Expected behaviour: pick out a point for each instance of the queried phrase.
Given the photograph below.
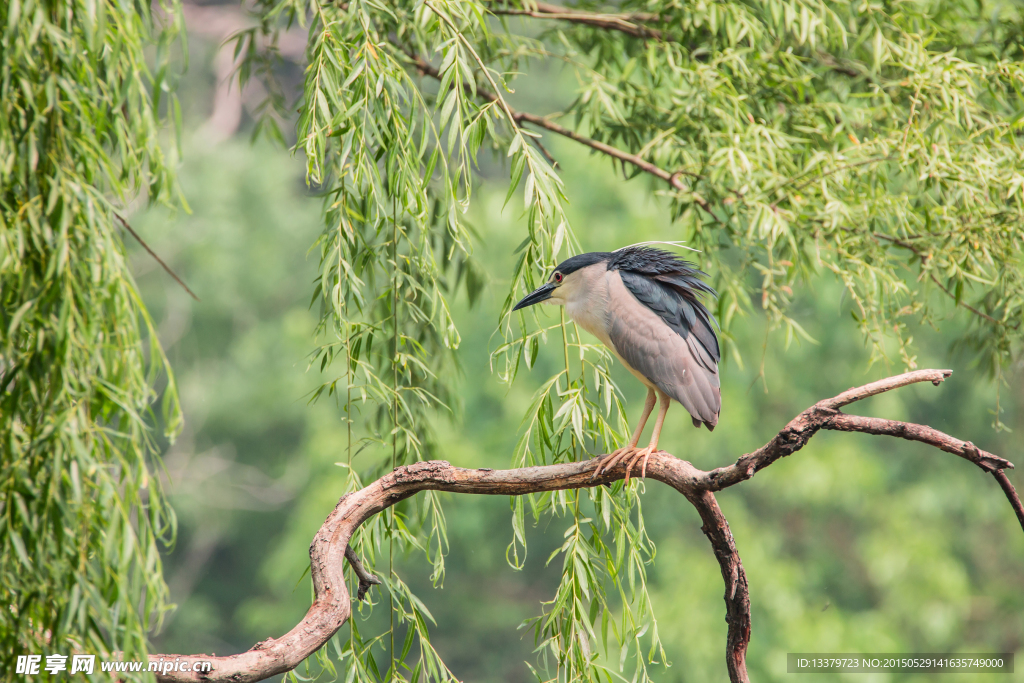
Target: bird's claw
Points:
(612, 459)
(644, 453)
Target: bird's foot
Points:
(613, 459)
(644, 453)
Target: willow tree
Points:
(82, 514)
(795, 140)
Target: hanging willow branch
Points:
(520, 117)
(329, 549)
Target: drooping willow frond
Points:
(794, 140)
(82, 510)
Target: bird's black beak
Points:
(536, 296)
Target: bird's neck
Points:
(587, 303)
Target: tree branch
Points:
(1011, 494)
(924, 261)
(737, 592)
(332, 606)
(630, 24)
(825, 415)
(521, 117)
(832, 171)
(635, 25)
(152, 253)
(366, 579)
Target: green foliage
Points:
(876, 142)
(873, 144)
(396, 165)
(853, 544)
(82, 512)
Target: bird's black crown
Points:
(574, 263)
(640, 259)
(651, 261)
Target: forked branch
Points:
(332, 606)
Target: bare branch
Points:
(825, 415)
(332, 606)
(849, 396)
(922, 433)
(630, 24)
(157, 258)
(1011, 494)
(330, 546)
(366, 579)
(737, 592)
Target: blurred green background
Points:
(856, 544)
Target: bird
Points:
(644, 304)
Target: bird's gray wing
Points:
(695, 317)
(654, 330)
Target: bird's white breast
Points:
(587, 305)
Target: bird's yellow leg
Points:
(619, 454)
(645, 453)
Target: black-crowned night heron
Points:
(643, 304)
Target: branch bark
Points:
(329, 549)
(156, 258)
(630, 24)
(737, 592)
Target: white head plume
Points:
(679, 244)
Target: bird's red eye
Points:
(558, 277)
